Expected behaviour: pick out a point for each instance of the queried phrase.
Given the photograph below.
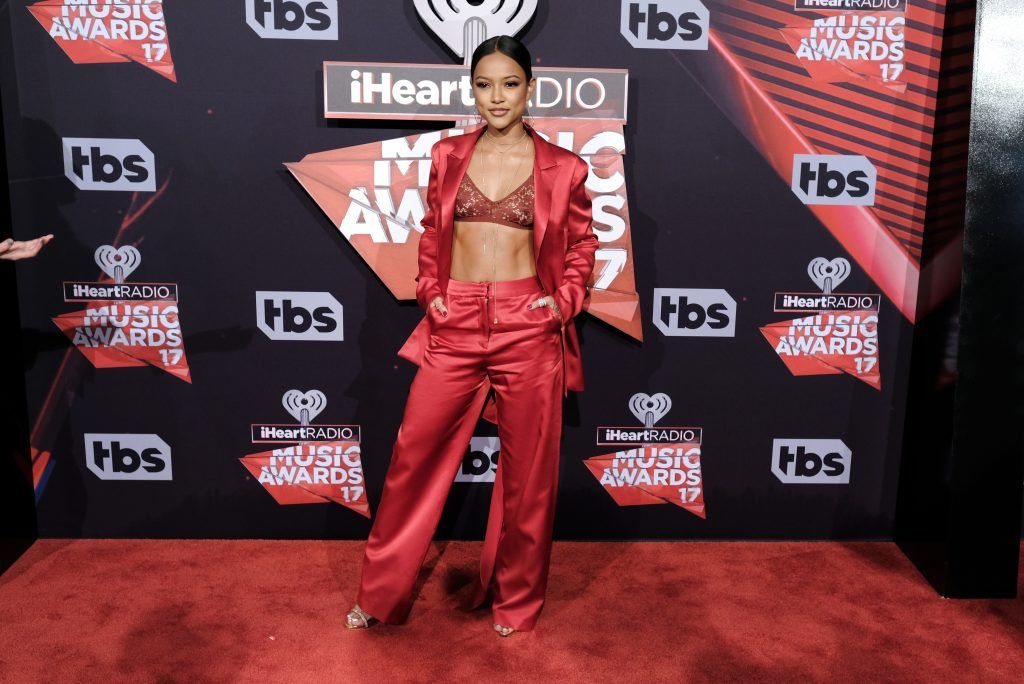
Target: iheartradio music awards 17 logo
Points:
(375, 194)
(109, 31)
(662, 465)
(125, 324)
(312, 462)
(840, 337)
(851, 41)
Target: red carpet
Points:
(225, 611)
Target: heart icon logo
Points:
(826, 274)
(118, 263)
(304, 406)
(649, 409)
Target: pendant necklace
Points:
(494, 228)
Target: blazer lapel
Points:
(545, 171)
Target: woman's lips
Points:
(499, 112)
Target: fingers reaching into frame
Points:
(13, 250)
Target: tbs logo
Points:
(811, 461)
(109, 164)
(315, 316)
(305, 19)
(127, 457)
(481, 461)
(834, 179)
(694, 313)
(666, 24)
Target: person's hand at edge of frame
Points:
(13, 250)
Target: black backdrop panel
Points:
(709, 208)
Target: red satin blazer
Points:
(563, 238)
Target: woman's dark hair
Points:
(506, 45)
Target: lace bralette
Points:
(514, 210)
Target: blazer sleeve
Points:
(427, 286)
(581, 244)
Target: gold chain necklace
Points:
(494, 227)
(494, 139)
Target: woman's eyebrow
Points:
(509, 76)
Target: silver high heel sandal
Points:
(502, 630)
(358, 618)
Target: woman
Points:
(501, 284)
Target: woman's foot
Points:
(502, 630)
(358, 618)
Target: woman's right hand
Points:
(438, 303)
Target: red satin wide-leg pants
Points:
(521, 356)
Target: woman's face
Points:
(501, 90)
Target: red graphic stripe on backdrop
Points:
(769, 94)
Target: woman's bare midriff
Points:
(470, 261)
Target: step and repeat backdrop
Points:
(236, 188)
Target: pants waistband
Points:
(499, 289)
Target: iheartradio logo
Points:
(834, 332)
(309, 462)
(125, 324)
(651, 464)
(453, 21)
(826, 274)
(118, 262)
(304, 406)
(650, 409)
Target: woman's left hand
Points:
(548, 301)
